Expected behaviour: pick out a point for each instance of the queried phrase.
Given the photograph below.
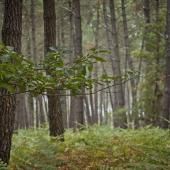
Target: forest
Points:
(84, 85)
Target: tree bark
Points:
(116, 60)
(96, 33)
(54, 104)
(77, 101)
(120, 101)
(146, 8)
(11, 36)
(156, 105)
(109, 44)
(129, 62)
(1, 17)
(166, 99)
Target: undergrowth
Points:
(95, 148)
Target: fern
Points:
(92, 148)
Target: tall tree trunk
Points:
(116, 53)
(54, 104)
(1, 17)
(109, 44)
(166, 99)
(11, 36)
(116, 62)
(101, 107)
(77, 101)
(146, 11)
(129, 62)
(87, 109)
(62, 46)
(33, 31)
(95, 114)
(40, 112)
(146, 8)
(156, 106)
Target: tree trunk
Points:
(166, 99)
(116, 60)
(156, 106)
(109, 44)
(96, 96)
(146, 8)
(129, 62)
(77, 101)
(1, 17)
(120, 101)
(11, 36)
(87, 109)
(62, 46)
(54, 103)
(21, 113)
(33, 31)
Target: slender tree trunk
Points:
(20, 111)
(1, 17)
(77, 101)
(11, 36)
(40, 112)
(62, 24)
(120, 103)
(54, 103)
(146, 8)
(88, 116)
(109, 44)
(116, 53)
(129, 61)
(33, 31)
(37, 111)
(146, 11)
(156, 107)
(166, 99)
(62, 46)
(95, 114)
(101, 107)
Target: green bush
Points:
(3, 166)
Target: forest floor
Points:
(95, 148)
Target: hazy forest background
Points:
(84, 84)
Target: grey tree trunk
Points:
(40, 112)
(129, 63)
(22, 112)
(1, 16)
(62, 46)
(87, 109)
(109, 44)
(96, 101)
(116, 60)
(166, 99)
(70, 116)
(146, 8)
(77, 101)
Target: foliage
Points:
(152, 57)
(92, 148)
(3, 166)
(19, 75)
(72, 76)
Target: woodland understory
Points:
(84, 84)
